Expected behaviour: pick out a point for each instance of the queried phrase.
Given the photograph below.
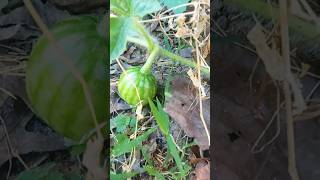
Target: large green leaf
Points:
(174, 3)
(138, 8)
(119, 28)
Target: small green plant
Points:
(137, 86)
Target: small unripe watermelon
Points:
(55, 94)
(132, 82)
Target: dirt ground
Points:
(246, 107)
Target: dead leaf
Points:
(15, 85)
(182, 32)
(183, 107)
(115, 103)
(196, 82)
(16, 116)
(202, 171)
(235, 126)
(91, 160)
(19, 25)
(206, 49)
(181, 20)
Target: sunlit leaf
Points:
(124, 145)
(174, 3)
(132, 8)
(119, 28)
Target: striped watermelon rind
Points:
(135, 86)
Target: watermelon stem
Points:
(168, 54)
(146, 68)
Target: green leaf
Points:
(161, 117)
(120, 7)
(133, 8)
(123, 176)
(162, 120)
(167, 44)
(174, 152)
(146, 154)
(143, 7)
(121, 122)
(119, 28)
(153, 172)
(174, 3)
(124, 145)
(168, 88)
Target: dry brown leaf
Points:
(202, 171)
(16, 116)
(182, 32)
(115, 103)
(183, 107)
(91, 160)
(181, 20)
(196, 82)
(15, 85)
(206, 49)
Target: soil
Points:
(243, 111)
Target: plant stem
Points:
(172, 56)
(146, 68)
(137, 41)
(183, 60)
(146, 35)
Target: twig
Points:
(312, 91)
(13, 151)
(250, 79)
(276, 114)
(200, 94)
(286, 87)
